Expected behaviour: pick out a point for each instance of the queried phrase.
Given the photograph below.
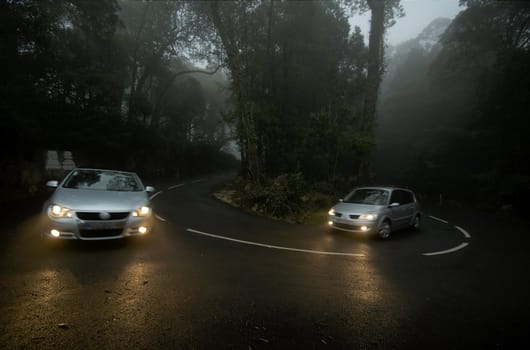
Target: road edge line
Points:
(273, 246)
(438, 219)
(156, 194)
(447, 251)
(160, 218)
(175, 186)
(464, 232)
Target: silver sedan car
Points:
(95, 204)
(376, 210)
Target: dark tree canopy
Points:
(166, 85)
(464, 105)
(296, 75)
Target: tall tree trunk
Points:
(373, 79)
(375, 63)
(244, 107)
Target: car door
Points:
(397, 214)
(408, 207)
(400, 214)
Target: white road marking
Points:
(172, 187)
(154, 195)
(452, 250)
(160, 218)
(273, 246)
(438, 219)
(461, 246)
(463, 231)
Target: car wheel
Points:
(416, 223)
(384, 230)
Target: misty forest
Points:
(291, 94)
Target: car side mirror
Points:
(52, 184)
(149, 189)
(395, 204)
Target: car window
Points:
(369, 196)
(407, 197)
(102, 181)
(401, 197)
(396, 197)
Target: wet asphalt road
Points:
(180, 289)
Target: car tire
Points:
(384, 230)
(416, 223)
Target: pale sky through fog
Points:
(418, 14)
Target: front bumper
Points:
(352, 225)
(75, 228)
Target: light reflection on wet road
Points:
(176, 289)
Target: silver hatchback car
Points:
(376, 210)
(96, 204)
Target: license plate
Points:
(101, 225)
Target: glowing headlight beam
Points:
(142, 211)
(368, 216)
(58, 211)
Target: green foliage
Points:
(289, 196)
(279, 197)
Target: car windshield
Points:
(102, 181)
(369, 196)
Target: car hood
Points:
(356, 208)
(91, 200)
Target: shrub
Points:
(280, 197)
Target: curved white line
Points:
(463, 231)
(273, 246)
(461, 246)
(156, 194)
(438, 219)
(172, 187)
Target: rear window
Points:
(102, 181)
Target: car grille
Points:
(100, 233)
(354, 217)
(95, 215)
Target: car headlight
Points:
(331, 211)
(142, 211)
(58, 211)
(367, 216)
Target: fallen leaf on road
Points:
(63, 326)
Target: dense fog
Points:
(292, 94)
